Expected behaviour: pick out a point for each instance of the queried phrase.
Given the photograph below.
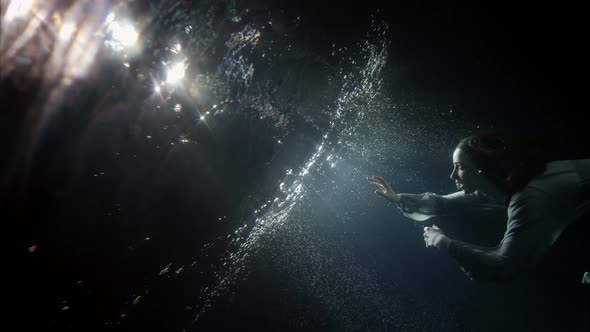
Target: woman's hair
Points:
(509, 161)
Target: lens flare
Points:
(176, 72)
(124, 33)
(18, 9)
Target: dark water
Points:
(202, 165)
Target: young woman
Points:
(542, 199)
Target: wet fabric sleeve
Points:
(534, 225)
(420, 207)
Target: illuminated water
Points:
(222, 152)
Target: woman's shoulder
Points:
(559, 177)
(556, 186)
(566, 164)
(530, 196)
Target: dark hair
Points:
(510, 161)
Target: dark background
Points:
(521, 67)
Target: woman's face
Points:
(465, 175)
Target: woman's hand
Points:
(384, 189)
(434, 237)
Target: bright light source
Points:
(123, 33)
(17, 9)
(175, 73)
(66, 31)
(176, 49)
(110, 18)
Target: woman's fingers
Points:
(380, 182)
(378, 185)
(374, 180)
(427, 239)
(384, 189)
